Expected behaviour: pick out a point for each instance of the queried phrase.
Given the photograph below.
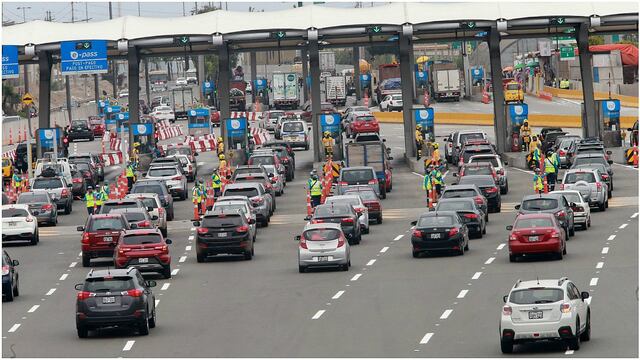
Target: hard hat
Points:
(221, 156)
(435, 146)
(89, 187)
(136, 144)
(220, 139)
(549, 153)
(327, 133)
(418, 127)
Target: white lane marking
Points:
(426, 338)
(182, 259)
(446, 314)
(524, 171)
(193, 229)
(416, 174)
(611, 237)
(623, 226)
(63, 277)
(489, 260)
(476, 276)
(187, 248)
(501, 246)
(605, 250)
(568, 352)
(128, 345)
(191, 237)
(200, 163)
(175, 271)
(80, 253)
(356, 277)
(635, 215)
(599, 265)
(157, 302)
(371, 262)
(14, 328)
(73, 264)
(593, 282)
(51, 291)
(33, 308)
(317, 315)
(338, 294)
(398, 237)
(384, 249)
(462, 294)
(165, 286)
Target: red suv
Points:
(362, 124)
(145, 249)
(97, 125)
(99, 236)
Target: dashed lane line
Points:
(398, 237)
(605, 250)
(191, 237)
(128, 345)
(462, 294)
(51, 291)
(593, 282)
(425, 339)
(14, 328)
(175, 271)
(635, 215)
(384, 249)
(73, 264)
(338, 294)
(371, 262)
(318, 315)
(33, 308)
(599, 265)
(165, 286)
(356, 277)
(476, 276)
(489, 260)
(568, 352)
(611, 237)
(524, 171)
(501, 246)
(623, 226)
(187, 248)
(157, 302)
(63, 277)
(446, 314)
(182, 259)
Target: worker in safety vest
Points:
(197, 194)
(131, 176)
(436, 177)
(100, 197)
(315, 189)
(223, 165)
(427, 182)
(216, 183)
(17, 180)
(436, 153)
(90, 200)
(220, 146)
(419, 138)
(564, 84)
(551, 169)
(538, 179)
(525, 135)
(135, 152)
(327, 143)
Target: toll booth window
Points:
(144, 141)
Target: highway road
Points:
(388, 305)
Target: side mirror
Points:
(509, 227)
(432, 209)
(154, 217)
(144, 174)
(610, 162)
(195, 154)
(414, 222)
(506, 163)
(309, 128)
(559, 181)
(584, 295)
(517, 207)
(16, 262)
(307, 218)
(252, 221)
(151, 283)
(385, 140)
(504, 298)
(149, 208)
(609, 152)
(390, 157)
(168, 241)
(79, 286)
(80, 228)
(297, 238)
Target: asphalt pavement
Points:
(388, 305)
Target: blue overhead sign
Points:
(236, 128)
(477, 73)
(208, 87)
(112, 109)
(83, 57)
(518, 113)
(10, 67)
(424, 117)
(46, 137)
(199, 112)
(260, 84)
(142, 129)
(611, 108)
(122, 116)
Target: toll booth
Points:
(199, 122)
(425, 118)
(111, 112)
(516, 114)
(237, 142)
(143, 134)
(45, 142)
(422, 80)
(365, 85)
(332, 124)
(608, 113)
(208, 93)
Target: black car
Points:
(10, 279)
(78, 184)
(115, 297)
(471, 150)
(342, 214)
(272, 143)
(467, 191)
(550, 140)
(439, 231)
(87, 171)
(80, 129)
(488, 187)
(469, 212)
(552, 203)
(95, 161)
(156, 187)
(223, 233)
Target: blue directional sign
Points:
(10, 67)
(477, 73)
(260, 84)
(122, 116)
(199, 112)
(142, 129)
(83, 57)
(236, 128)
(611, 108)
(112, 109)
(365, 80)
(424, 117)
(208, 87)
(330, 122)
(46, 137)
(518, 113)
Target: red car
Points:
(97, 125)
(215, 116)
(369, 199)
(145, 249)
(363, 124)
(536, 234)
(99, 235)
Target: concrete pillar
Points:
(26, 78)
(314, 63)
(201, 78)
(67, 86)
(224, 74)
(115, 78)
(590, 122)
(406, 74)
(44, 100)
(147, 88)
(96, 89)
(305, 74)
(356, 71)
(499, 121)
(133, 62)
(254, 76)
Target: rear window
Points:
(251, 178)
(455, 205)
(78, 123)
(321, 234)
(112, 284)
(330, 211)
(47, 184)
(220, 221)
(9, 213)
(150, 188)
(436, 221)
(83, 166)
(365, 118)
(572, 197)
(513, 87)
(491, 160)
(134, 216)
(349, 201)
(536, 296)
(463, 193)
(275, 115)
(480, 181)
(262, 160)
(5, 162)
(142, 239)
(357, 175)
(105, 224)
(590, 160)
(477, 170)
(292, 126)
(466, 137)
(364, 195)
(149, 202)
(181, 151)
(248, 192)
(241, 171)
(533, 223)
(32, 198)
(108, 207)
(572, 178)
(160, 172)
(539, 204)
(230, 208)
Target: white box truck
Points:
(327, 61)
(335, 90)
(285, 91)
(446, 83)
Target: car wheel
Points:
(574, 342)
(512, 258)
(486, 217)
(564, 250)
(86, 260)
(380, 219)
(164, 232)
(606, 204)
(466, 247)
(183, 195)
(415, 254)
(345, 267)
(461, 251)
(589, 222)
(200, 257)
(484, 229)
(601, 207)
(248, 255)
(366, 230)
(35, 238)
(572, 231)
(83, 332)
(153, 320)
(166, 272)
(67, 209)
(265, 223)
(306, 146)
(92, 138)
(9, 295)
(143, 328)
(560, 255)
(610, 194)
(586, 335)
(506, 346)
(302, 269)
(383, 193)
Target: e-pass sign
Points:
(518, 113)
(83, 57)
(10, 69)
(330, 122)
(46, 137)
(424, 117)
(142, 129)
(611, 108)
(236, 127)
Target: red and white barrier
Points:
(112, 158)
(260, 136)
(11, 154)
(169, 132)
(250, 115)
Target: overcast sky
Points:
(61, 11)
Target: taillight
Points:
(160, 211)
(134, 293)
(344, 183)
(450, 145)
(359, 209)
(275, 178)
(492, 190)
(599, 186)
(605, 176)
(373, 182)
(5, 269)
(242, 229)
(203, 230)
(562, 153)
(347, 221)
(145, 223)
(303, 242)
(65, 140)
(513, 237)
(578, 208)
(478, 199)
(176, 178)
(163, 248)
(83, 295)
(454, 231)
(85, 238)
(471, 216)
(561, 214)
(29, 218)
(65, 193)
(555, 235)
(317, 221)
(417, 233)
(561, 186)
(123, 250)
(506, 310)
(76, 181)
(565, 308)
(258, 200)
(47, 207)
(501, 172)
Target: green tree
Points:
(10, 98)
(596, 40)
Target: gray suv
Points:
(552, 203)
(57, 189)
(261, 200)
(590, 184)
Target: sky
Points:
(97, 11)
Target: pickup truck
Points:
(376, 155)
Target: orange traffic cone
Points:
(546, 185)
(430, 199)
(309, 208)
(196, 216)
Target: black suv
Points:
(223, 233)
(80, 129)
(115, 297)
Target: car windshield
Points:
(357, 175)
(140, 239)
(149, 202)
(5, 162)
(160, 172)
(574, 177)
(292, 126)
(82, 166)
(46, 184)
(147, 188)
(539, 204)
(111, 284)
(462, 193)
(536, 296)
(566, 142)
(321, 234)
(12, 213)
(111, 223)
(275, 115)
(329, 211)
(230, 208)
(455, 206)
(248, 192)
(78, 123)
(466, 137)
(477, 170)
(589, 160)
(533, 223)
(221, 221)
(435, 221)
(134, 216)
(180, 151)
(32, 198)
(262, 160)
(492, 160)
(480, 181)
(241, 171)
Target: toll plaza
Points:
(111, 115)
(236, 140)
(199, 122)
(332, 124)
(516, 114)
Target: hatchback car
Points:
(467, 191)
(469, 212)
(260, 199)
(189, 168)
(581, 210)
(439, 231)
(562, 146)
(277, 180)
(96, 162)
(172, 176)
(360, 175)
(18, 224)
(590, 184)
(10, 277)
(551, 203)
(342, 214)
(154, 207)
(356, 202)
(489, 189)
(363, 124)
(58, 191)
(115, 297)
(181, 150)
(224, 233)
(145, 249)
(323, 245)
(100, 234)
(543, 310)
(369, 199)
(287, 160)
(41, 205)
(137, 218)
(269, 119)
(536, 234)
(233, 206)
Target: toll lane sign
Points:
(83, 57)
(10, 69)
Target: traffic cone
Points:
(546, 185)
(430, 199)
(309, 208)
(196, 216)
(112, 192)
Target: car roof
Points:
(357, 168)
(109, 272)
(478, 164)
(129, 210)
(462, 187)
(534, 216)
(477, 177)
(344, 196)
(244, 185)
(589, 155)
(118, 201)
(549, 283)
(465, 199)
(551, 195)
(580, 170)
(105, 216)
(438, 213)
(311, 226)
(232, 198)
(219, 212)
(146, 231)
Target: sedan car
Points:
(41, 205)
(323, 245)
(80, 129)
(551, 203)
(488, 187)
(18, 224)
(145, 249)
(356, 202)
(269, 119)
(535, 234)
(369, 199)
(341, 214)
(189, 168)
(220, 232)
(439, 231)
(469, 212)
(10, 278)
(172, 176)
(581, 210)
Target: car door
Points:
(151, 300)
(578, 303)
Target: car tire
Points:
(601, 207)
(306, 146)
(265, 223)
(586, 334)
(302, 269)
(35, 238)
(572, 231)
(466, 247)
(486, 216)
(67, 209)
(415, 254)
(379, 219)
(484, 230)
(383, 193)
(574, 342)
(153, 320)
(512, 258)
(588, 222)
(564, 251)
(86, 260)
(83, 332)
(200, 257)
(506, 346)
(92, 138)
(9, 296)
(143, 328)
(248, 255)
(345, 267)
(606, 204)
(559, 255)
(166, 272)
(461, 251)
(366, 230)
(16, 290)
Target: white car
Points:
(356, 202)
(181, 82)
(582, 211)
(498, 164)
(235, 206)
(123, 94)
(391, 102)
(163, 113)
(152, 200)
(538, 310)
(18, 224)
(277, 179)
(192, 80)
(323, 245)
(188, 168)
(172, 176)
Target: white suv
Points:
(545, 310)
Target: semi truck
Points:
(237, 99)
(335, 90)
(285, 91)
(445, 81)
(376, 155)
(388, 81)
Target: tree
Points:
(596, 40)
(10, 98)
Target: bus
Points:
(158, 80)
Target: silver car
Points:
(270, 119)
(172, 176)
(590, 184)
(356, 202)
(152, 201)
(235, 206)
(41, 205)
(261, 200)
(323, 245)
(277, 179)
(582, 211)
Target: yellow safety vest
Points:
(327, 142)
(537, 185)
(129, 172)
(548, 166)
(418, 135)
(316, 188)
(90, 200)
(215, 183)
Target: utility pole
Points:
(114, 66)
(86, 12)
(138, 8)
(183, 10)
(73, 19)
(25, 67)
(24, 13)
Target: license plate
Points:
(323, 258)
(224, 234)
(108, 239)
(533, 238)
(533, 315)
(13, 223)
(143, 260)
(109, 300)
(435, 236)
